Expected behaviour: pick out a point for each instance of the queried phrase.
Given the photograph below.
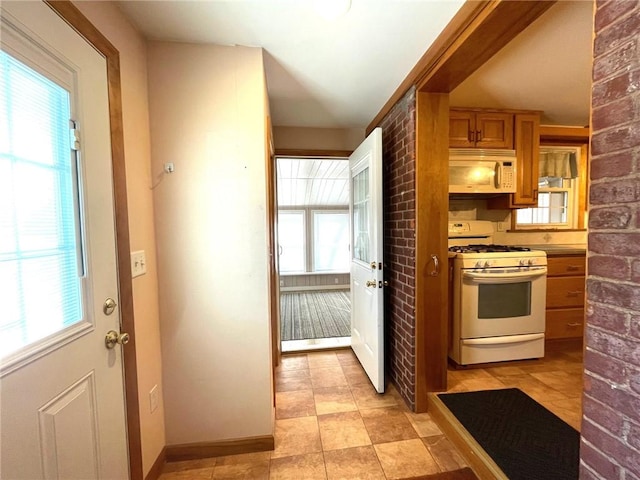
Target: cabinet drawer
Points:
(565, 292)
(573, 266)
(565, 323)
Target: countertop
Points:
(560, 249)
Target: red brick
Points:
(615, 191)
(604, 366)
(622, 244)
(625, 349)
(610, 217)
(615, 88)
(617, 113)
(616, 165)
(633, 436)
(612, 11)
(612, 447)
(621, 138)
(598, 462)
(635, 271)
(606, 318)
(616, 34)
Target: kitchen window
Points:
(558, 192)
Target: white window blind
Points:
(40, 271)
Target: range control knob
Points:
(488, 263)
(532, 261)
(479, 264)
(523, 263)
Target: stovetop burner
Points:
(487, 249)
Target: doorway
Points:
(313, 252)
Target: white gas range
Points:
(498, 297)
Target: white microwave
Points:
(475, 170)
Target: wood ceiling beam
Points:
(476, 32)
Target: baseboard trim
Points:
(481, 463)
(314, 288)
(156, 469)
(194, 451)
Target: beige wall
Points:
(302, 138)
(208, 114)
(133, 60)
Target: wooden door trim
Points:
(70, 14)
(431, 291)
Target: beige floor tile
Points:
(298, 403)
(191, 474)
(388, 424)
(334, 400)
(444, 453)
(562, 381)
(367, 397)
(322, 360)
(342, 430)
(297, 374)
(569, 410)
(355, 375)
(491, 383)
(360, 463)
(423, 424)
(296, 436)
(505, 371)
(189, 465)
(325, 377)
(307, 467)
(293, 362)
(347, 357)
(405, 459)
(293, 384)
(250, 465)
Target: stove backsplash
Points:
(476, 209)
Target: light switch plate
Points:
(138, 263)
(153, 399)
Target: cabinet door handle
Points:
(470, 136)
(576, 324)
(574, 293)
(478, 135)
(572, 268)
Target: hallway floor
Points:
(331, 424)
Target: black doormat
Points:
(523, 438)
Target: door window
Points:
(361, 201)
(40, 267)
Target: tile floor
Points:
(554, 381)
(331, 424)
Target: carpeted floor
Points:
(315, 314)
(523, 438)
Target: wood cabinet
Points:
(565, 296)
(527, 146)
(474, 129)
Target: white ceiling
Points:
(320, 73)
(339, 74)
(316, 182)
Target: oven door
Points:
(502, 301)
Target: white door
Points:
(367, 296)
(61, 390)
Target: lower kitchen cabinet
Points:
(565, 296)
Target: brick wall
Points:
(611, 425)
(398, 146)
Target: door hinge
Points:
(74, 135)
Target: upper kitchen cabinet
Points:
(480, 129)
(527, 146)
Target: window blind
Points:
(40, 283)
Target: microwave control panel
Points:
(507, 176)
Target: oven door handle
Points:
(504, 277)
(504, 339)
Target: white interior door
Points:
(62, 410)
(367, 298)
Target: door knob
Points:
(371, 283)
(112, 338)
